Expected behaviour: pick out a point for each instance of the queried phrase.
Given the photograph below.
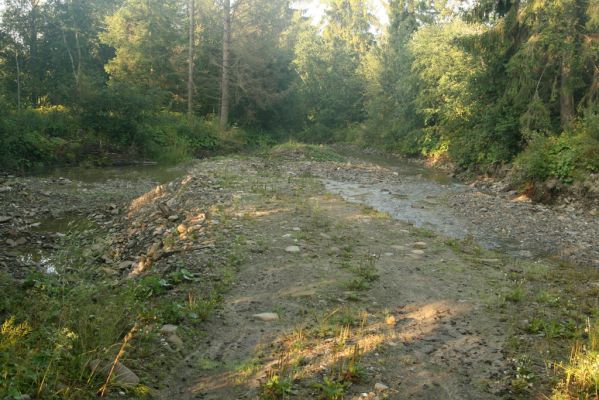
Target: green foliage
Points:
(51, 331)
(568, 157)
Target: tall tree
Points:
(191, 17)
(149, 52)
(224, 93)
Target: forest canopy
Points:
(479, 83)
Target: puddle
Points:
(47, 232)
(64, 225)
(156, 173)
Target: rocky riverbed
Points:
(355, 272)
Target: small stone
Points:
(175, 341)
(181, 229)
(20, 241)
(420, 245)
(173, 217)
(125, 264)
(292, 249)
(418, 252)
(266, 317)
(11, 243)
(5, 218)
(380, 387)
(121, 375)
(390, 320)
(168, 329)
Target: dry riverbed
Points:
(313, 296)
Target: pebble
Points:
(266, 317)
(380, 387)
(292, 249)
(168, 329)
(417, 251)
(175, 341)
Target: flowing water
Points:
(420, 196)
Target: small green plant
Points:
(180, 276)
(515, 295)
(351, 370)
(276, 388)
(553, 329)
(153, 285)
(367, 269)
(330, 389)
(357, 284)
(278, 384)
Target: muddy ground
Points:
(328, 294)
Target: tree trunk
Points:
(566, 98)
(191, 10)
(33, 55)
(18, 79)
(224, 105)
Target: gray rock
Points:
(175, 341)
(5, 218)
(380, 387)
(168, 329)
(121, 376)
(266, 317)
(292, 249)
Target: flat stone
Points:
(292, 249)
(380, 387)
(121, 376)
(175, 341)
(5, 218)
(420, 245)
(418, 252)
(125, 264)
(266, 317)
(168, 329)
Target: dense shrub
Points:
(567, 157)
(34, 138)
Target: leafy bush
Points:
(567, 157)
